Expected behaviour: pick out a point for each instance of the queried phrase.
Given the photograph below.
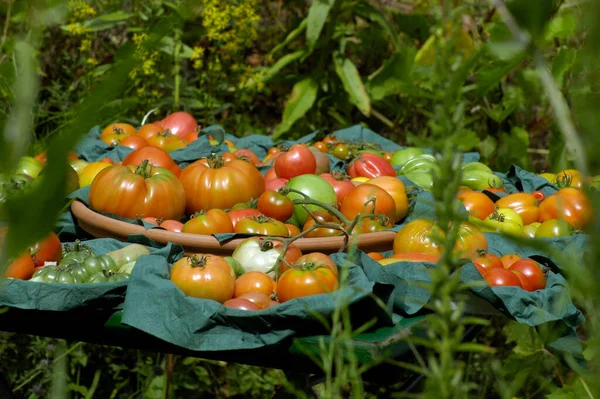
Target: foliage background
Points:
(286, 69)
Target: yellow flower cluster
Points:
(233, 23)
(77, 29)
(81, 10)
(197, 54)
(142, 53)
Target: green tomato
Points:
(530, 229)
(505, 221)
(554, 228)
(314, 187)
(72, 258)
(107, 277)
(420, 163)
(421, 179)
(78, 270)
(100, 263)
(473, 166)
(404, 155)
(55, 274)
(128, 254)
(237, 267)
(127, 268)
(29, 166)
(480, 179)
(77, 250)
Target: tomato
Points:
(20, 268)
(191, 137)
(261, 225)
(375, 256)
(271, 175)
(79, 165)
(417, 236)
(525, 283)
(275, 205)
(298, 160)
(293, 231)
(400, 157)
(138, 191)
(180, 123)
(330, 139)
(553, 228)
(148, 130)
(496, 190)
(316, 259)
(371, 166)
(244, 153)
(568, 204)
(526, 205)
(47, 250)
(487, 262)
(216, 183)
(501, 277)
(503, 220)
(314, 187)
(396, 189)
(172, 225)
(258, 298)
(212, 221)
(204, 276)
(167, 141)
(254, 281)
(106, 276)
(297, 283)
(91, 171)
(341, 151)
(42, 157)
(530, 229)
(532, 270)
(322, 217)
(275, 184)
(115, 139)
(28, 166)
(354, 203)
(113, 134)
(261, 254)
(508, 259)
(551, 177)
(238, 214)
(242, 304)
(155, 156)
(569, 178)
(340, 183)
(477, 204)
(371, 225)
(538, 195)
(321, 146)
(322, 160)
(415, 257)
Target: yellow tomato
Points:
(89, 173)
(388, 261)
(548, 176)
(361, 179)
(79, 165)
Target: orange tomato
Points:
(297, 283)
(526, 205)
(477, 204)
(212, 221)
(568, 204)
(204, 276)
(90, 172)
(254, 281)
(375, 255)
(396, 189)
(354, 202)
(508, 259)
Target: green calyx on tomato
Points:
(503, 220)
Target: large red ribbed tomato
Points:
(155, 156)
(417, 236)
(218, 183)
(138, 191)
(568, 204)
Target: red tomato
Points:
(238, 214)
(538, 195)
(271, 175)
(180, 123)
(340, 183)
(204, 276)
(370, 165)
(107, 160)
(244, 153)
(275, 205)
(216, 183)
(532, 270)
(568, 204)
(254, 281)
(297, 283)
(526, 205)
(275, 184)
(477, 204)
(525, 283)
(298, 160)
(258, 298)
(212, 221)
(354, 203)
(148, 130)
(191, 137)
(134, 142)
(172, 225)
(487, 262)
(321, 146)
(47, 250)
(508, 259)
(20, 268)
(155, 156)
(501, 277)
(138, 191)
(293, 230)
(242, 304)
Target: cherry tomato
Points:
(532, 270)
(508, 259)
(501, 277)
(487, 261)
(298, 160)
(275, 205)
(321, 146)
(341, 151)
(254, 281)
(242, 304)
(212, 221)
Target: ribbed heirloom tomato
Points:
(217, 183)
(371, 166)
(204, 276)
(138, 191)
(155, 156)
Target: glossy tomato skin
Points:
(155, 156)
(167, 141)
(526, 205)
(271, 175)
(532, 271)
(568, 204)
(501, 277)
(293, 230)
(258, 298)
(275, 205)
(477, 204)
(221, 184)
(261, 225)
(341, 151)
(552, 228)
(508, 259)
(275, 184)
(569, 178)
(322, 217)
(297, 283)
(134, 142)
(322, 160)
(90, 172)
(242, 304)
(180, 123)
(394, 187)
(148, 130)
(131, 192)
(371, 166)
(298, 160)
(316, 259)
(254, 281)
(116, 129)
(354, 203)
(47, 250)
(525, 283)
(172, 225)
(245, 153)
(204, 276)
(314, 187)
(21, 268)
(212, 221)
(238, 214)
(340, 183)
(488, 262)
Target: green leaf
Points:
(348, 74)
(562, 64)
(283, 62)
(576, 390)
(291, 36)
(317, 16)
(301, 100)
(107, 21)
(507, 50)
(525, 337)
(490, 77)
(513, 149)
(561, 27)
(167, 46)
(393, 76)
(367, 11)
(531, 16)
(466, 140)
(474, 347)
(487, 147)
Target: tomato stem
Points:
(144, 169)
(198, 260)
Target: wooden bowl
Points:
(102, 226)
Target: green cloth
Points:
(520, 180)
(62, 297)
(158, 307)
